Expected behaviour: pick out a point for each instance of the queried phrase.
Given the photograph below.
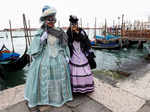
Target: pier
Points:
(127, 96)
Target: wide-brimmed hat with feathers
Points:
(47, 11)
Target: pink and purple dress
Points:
(81, 75)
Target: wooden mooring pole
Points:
(11, 37)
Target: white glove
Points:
(43, 37)
(67, 59)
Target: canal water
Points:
(125, 59)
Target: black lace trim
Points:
(78, 65)
(81, 75)
(84, 91)
(83, 86)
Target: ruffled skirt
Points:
(81, 78)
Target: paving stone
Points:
(105, 110)
(74, 110)
(138, 84)
(6, 101)
(91, 106)
(116, 99)
(148, 102)
(77, 100)
(145, 108)
(20, 107)
(15, 94)
(19, 94)
(106, 79)
(4, 110)
(59, 109)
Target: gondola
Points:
(109, 42)
(15, 64)
(107, 46)
(19, 62)
(106, 40)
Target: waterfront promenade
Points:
(130, 95)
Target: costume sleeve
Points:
(66, 47)
(36, 46)
(86, 45)
(67, 52)
(83, 33)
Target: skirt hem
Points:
(56, 105)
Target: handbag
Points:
(91, 60)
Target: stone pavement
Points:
(81, 103)
(105, 98)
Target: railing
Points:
(137, 33)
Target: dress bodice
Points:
(53, 45)
(78, 56)
(52, 40)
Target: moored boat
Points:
(12, 61)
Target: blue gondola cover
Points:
(8, 56)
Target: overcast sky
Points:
(85, 9)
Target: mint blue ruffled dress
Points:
(48, 78)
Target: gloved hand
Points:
(67, 59)
(43, 37)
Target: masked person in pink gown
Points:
(79, 45)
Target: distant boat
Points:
(109, 46)
(107, 37)
(108, 42)
(105, 41)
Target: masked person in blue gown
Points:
(48, 80)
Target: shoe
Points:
(44, 108)
(35, 109)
